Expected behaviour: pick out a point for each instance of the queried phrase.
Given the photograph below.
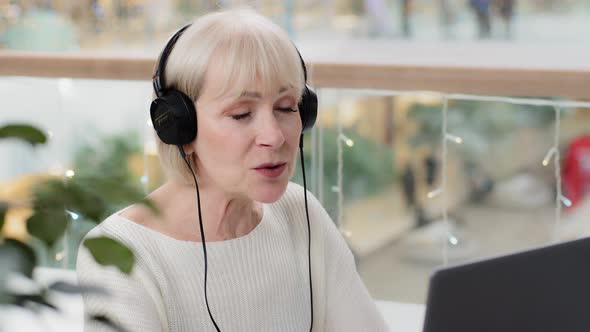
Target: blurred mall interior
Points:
(375, 155)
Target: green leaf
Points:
(107, 251)
(24, 132)
(48, 225)
(3, 209)
(114, 189)
(107, 192)
(150, 204)
(93, 197)
(72, 195)
(15, 257)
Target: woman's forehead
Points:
(221, 83)
(252, 91)
(233, 71)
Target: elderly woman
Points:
(247, 250)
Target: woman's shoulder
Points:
(129, 226)
(136, 221)
(137, 213)
(113, 227)
(148, 249)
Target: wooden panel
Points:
(502, 78)
(76, 66)
(484, 81)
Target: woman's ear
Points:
(188, 149)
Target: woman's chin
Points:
(269, 192)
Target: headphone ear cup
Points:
(174, 118)
(308, 108)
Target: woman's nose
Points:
(270, 132)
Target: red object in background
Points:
(576, 170)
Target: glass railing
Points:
(498, 192)
(406, 200)
(373, 158)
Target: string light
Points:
(444, 180)
(446, 137)
(339, 172)
(346, 140)
(548, 156)
(454, 138)
(149, 148)
(338, 188)
(320, 129)
(73, 215)
(554, 151)
(435, 193)
(65, 93)
(65, 239)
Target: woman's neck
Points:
(224, 216)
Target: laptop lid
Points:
(543, 289)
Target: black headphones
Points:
(173, 113)
(174, 118)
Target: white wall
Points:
(75, 111)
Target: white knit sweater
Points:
(257, 282)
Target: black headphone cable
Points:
(202, 235)
(308, 232)
(182, 153)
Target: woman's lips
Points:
(271, 170)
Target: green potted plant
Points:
(54, 204)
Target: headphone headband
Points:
(302, 64)
(158, 80)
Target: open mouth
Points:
(272, 171)
(270, 166)
(274, 167)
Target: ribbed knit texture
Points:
(257, 282)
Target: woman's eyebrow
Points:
(250, 94)
(258, 95)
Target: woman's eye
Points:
(286, 109)
(240, 116)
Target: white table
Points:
(402, 317)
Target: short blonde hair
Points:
(251, 47)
